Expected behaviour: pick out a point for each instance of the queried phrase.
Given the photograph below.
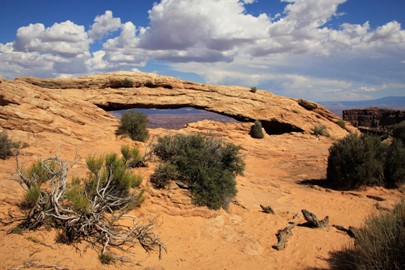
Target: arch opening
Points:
(176, 118)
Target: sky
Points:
(321, 50)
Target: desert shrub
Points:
(379, 244)
(125, 83)
(31, 197)
(39, 173)
(394, 169)
(6, 145)
(134, 125)
(256, 131)
(207, 165)
(86, 209)
(79, 202)
(114, 171)
(132, 156)
(355, 161)
(163, 173)
(107, 258)
(320, 130)
(341, 124)
(253, 89)
(399, 132)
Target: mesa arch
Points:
(124, 90)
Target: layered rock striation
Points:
(77, 107)
(373, 117)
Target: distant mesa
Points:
(373, 117)
(78, 106)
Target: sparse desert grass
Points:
(320, 130)
(341, 124)
(379, 244)
(6, 145)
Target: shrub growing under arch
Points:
(134, 125)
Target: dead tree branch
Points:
(283, 235)
(267, 209)
(313, 221)
(97, 224)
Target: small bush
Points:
(78, 200)
(256, 131)
(125, 83)
(106, 258)
(31, 197)
(132, 156)
(208, 166)
(355, 161)
(320, 130)
(341, 124)
(399, 132)
(253, 89)
(6, 145)
(379, 244)
(163, 173)
(394, 169)
(134, 125)
(89, 212)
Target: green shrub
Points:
(394, 169)
(207, 165)
(253, 89)
(134, 125)
(31, 197)
(379, 244)
(115, 171)
(107, 258)
(87, 209)
(94, 164)
(132, 156)
(341, 124)
(320, 130)
(38, 173)
(163, 173)
(78, 200)
(6, 145)
(355, 161)
(256, 131)
(399, 131)
(125, 83)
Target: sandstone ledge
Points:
(77, 107)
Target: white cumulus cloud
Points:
(103, 25)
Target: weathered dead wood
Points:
(351, 231)
(381, 208)
(283, 235)
(377, 198)
(267, 209)
(99, 225)
(313, 221)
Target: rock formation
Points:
(373, 117)
(78, 107)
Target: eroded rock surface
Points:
(373, 117)
(78, 106)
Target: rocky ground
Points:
(283, 171)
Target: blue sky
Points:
(314, 49)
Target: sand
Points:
(283, 171)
